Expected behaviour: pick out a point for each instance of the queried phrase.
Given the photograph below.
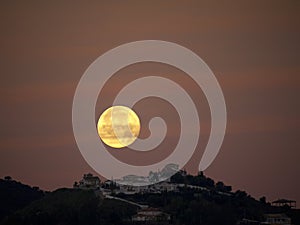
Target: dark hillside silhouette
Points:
(15, 195)
(213, 203)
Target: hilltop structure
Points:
(283, 202)
(88, 182)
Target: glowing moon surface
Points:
(118, 126)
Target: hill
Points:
(72, 207)
(15, 195)
(197, 200)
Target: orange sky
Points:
(253, 49)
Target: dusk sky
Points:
(252, 47)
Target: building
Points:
(151, 215)
(277, 219)
(166, 186)
(249, 222)
(284, 202)
(270, 219)
(88, 182)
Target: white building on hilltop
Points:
(88, 182)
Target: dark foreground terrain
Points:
(217, 205)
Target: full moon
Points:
(118, 126)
